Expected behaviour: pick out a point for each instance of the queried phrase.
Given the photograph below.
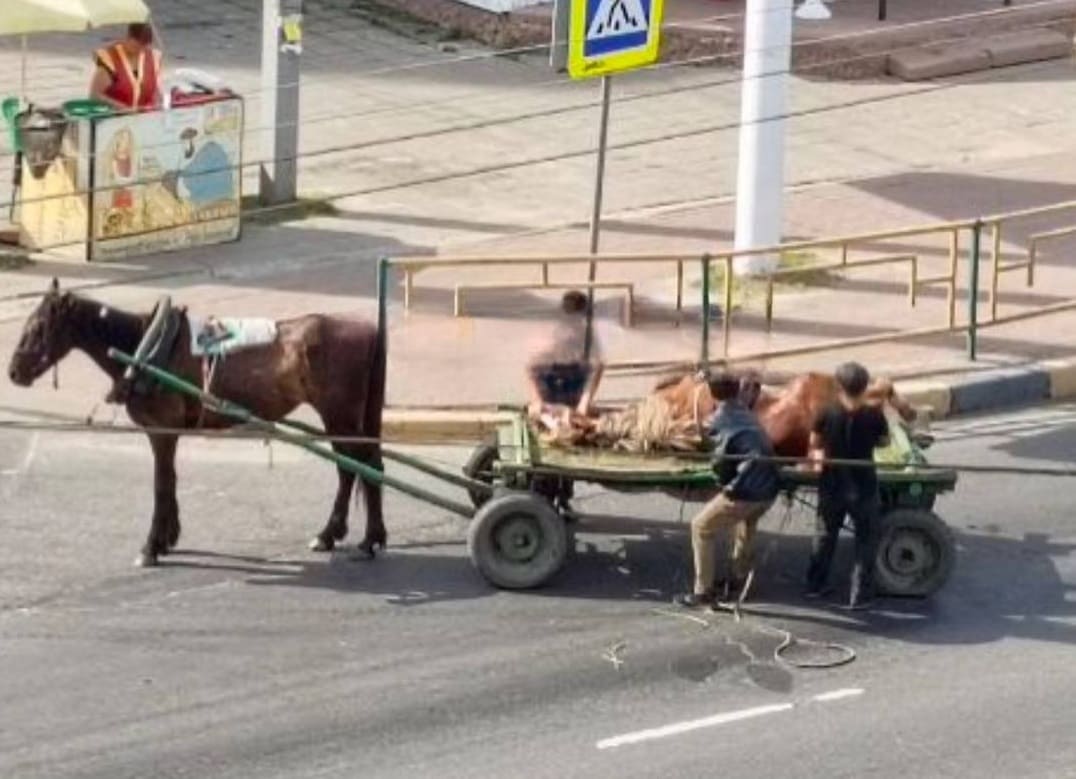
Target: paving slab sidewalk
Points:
(853, 44)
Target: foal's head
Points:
(46, 337)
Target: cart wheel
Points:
(517, 541)
(916, 553)
(479, 466)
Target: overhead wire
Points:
(425, 63)
(560, 156)
(544, 159)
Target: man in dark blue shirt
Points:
(847, 430)
(749, 486)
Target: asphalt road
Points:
(246, 656)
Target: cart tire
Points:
(916, 553)
(479, 466)
(517, 541)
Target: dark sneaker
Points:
(694, 600)
(730, 588)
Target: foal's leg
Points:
(164, 525)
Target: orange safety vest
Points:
(135, 84)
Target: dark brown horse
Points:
(337, 365)
(787, 415)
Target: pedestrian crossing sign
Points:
(609, 36)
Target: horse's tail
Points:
(375, 400)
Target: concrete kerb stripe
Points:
(998, 389)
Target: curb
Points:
(994, 390)
(989, 391)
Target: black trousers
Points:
(832, 510)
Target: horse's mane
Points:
(103, 322)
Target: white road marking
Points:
(836, 695)
(684, 727)
(687, 726)
(22, 467)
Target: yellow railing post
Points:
(727, 320)
(769, 303)
(995, 266)
(913, 283)
(679, 292)
(954, 257)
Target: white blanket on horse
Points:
(218, 336)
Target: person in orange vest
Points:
(127, 72)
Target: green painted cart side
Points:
(915, 555)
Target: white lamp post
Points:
(761, 163)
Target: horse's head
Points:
(46, 338)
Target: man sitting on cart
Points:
(564, 370)
(749, 486)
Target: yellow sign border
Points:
(580, 66)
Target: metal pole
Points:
(281, 51)
(973, 292)
(761, 163)
(382, 304)
(596, 211)
(882, 10)
(22, 73)
(726, 322)
(704, 357)
(599, 174)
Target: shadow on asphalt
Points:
(1003, 587)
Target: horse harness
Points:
(156, 348)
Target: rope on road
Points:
(845, 653)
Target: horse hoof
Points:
(319, 544)
(146, 560)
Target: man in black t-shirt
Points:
(847, 430)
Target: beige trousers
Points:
(722, 513)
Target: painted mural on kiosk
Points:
(167, 179)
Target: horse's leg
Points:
(165, 522)
(376, 535)
(336, 528)
(370, 454)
